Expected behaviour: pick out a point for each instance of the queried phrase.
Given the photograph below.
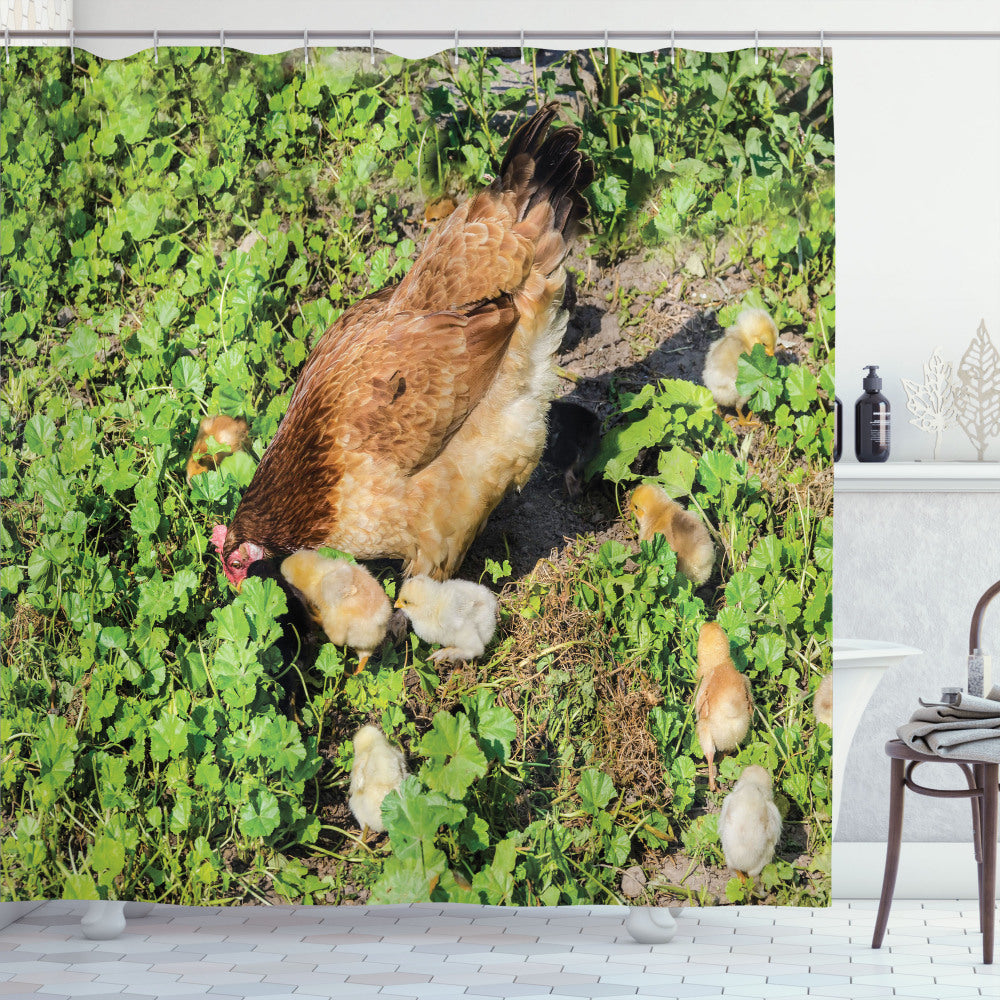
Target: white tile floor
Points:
(932, 952)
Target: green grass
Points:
(174, 239)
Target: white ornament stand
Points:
(652, 924)
(104, 920)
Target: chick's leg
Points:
(744, 419)
(362, 661)
(708, 749)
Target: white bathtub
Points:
(858, 666)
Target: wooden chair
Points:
(981, 779)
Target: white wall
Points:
(918, 220)
(909, 568)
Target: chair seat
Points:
(903, 751)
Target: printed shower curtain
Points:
(177, 235)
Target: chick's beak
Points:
(769, 351)
(398, 604)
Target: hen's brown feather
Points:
(423, 404)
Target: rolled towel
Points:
(967, 729)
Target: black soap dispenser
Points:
(871, 420)
(838, 429)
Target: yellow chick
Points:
(684, 531)
(749, 824)
(723, 703)
(231, 432)
(823, 701)
(459, 614)
(350, 603)
(752, 326)
(378, 768)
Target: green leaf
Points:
(142, 212)
(188, 376)
(167, 738)
(260, 816)
(107, 857)
(676, 469)
(408, 880)
(757, 379)
(40, 434)
(81, 349)
(743, 590)
(801, 384)
(55, 749)
(79, 886)
(716, 468)
(643, 152)
(767, 556)
(496, 726)
(413, 816)
(769, 653)
(823, 546)
(595, 789)
(735, 891)
(454, 758)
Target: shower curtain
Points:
(177, 233)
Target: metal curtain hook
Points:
(522, 46)
(156, 47)
(222, 45)
(456, 47)
(72, 47)
(305, 47)
(672, 62)
(6, 43)
(605, 48)
(371, 41)
(756, 43)
(821, 57)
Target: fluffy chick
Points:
(723, 703)
(823, 701)
(752, 326)
(378, 768)
(228, 431)
(684, 531)
(749, 824)
(350, 603)
(573, 439)
(459, 614)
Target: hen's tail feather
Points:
(547, 167)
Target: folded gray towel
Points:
(969, 729)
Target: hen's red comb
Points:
(219, 533)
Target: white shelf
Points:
(917, 477)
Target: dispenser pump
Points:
(872, 382)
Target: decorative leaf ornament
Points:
(968, 398)
(934, 404)
(979, 404)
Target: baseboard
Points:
(9, 912)
(926, 871)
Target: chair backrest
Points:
(977, 616)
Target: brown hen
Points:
(426, 402)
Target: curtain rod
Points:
(511, 38)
